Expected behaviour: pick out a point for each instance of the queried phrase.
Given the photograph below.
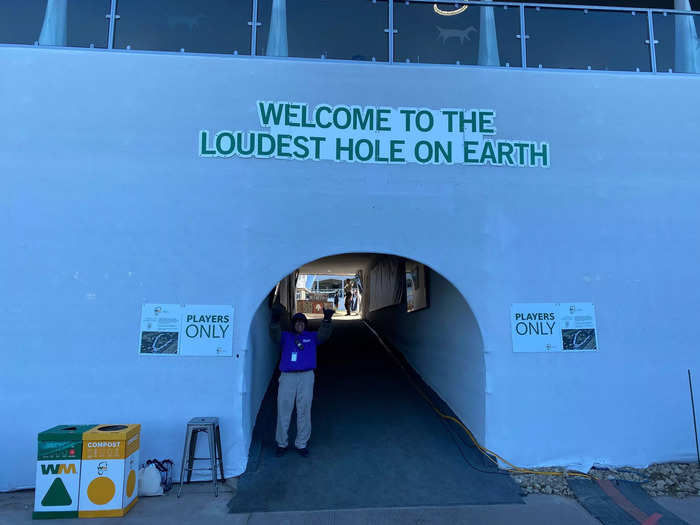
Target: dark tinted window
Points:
(348, 29)
(579, 39)
(675, 42)
(448, 34)
(211, 26)
(83, 22)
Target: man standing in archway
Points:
(296, 383)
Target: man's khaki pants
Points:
(299, 387)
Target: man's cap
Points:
(300, 317)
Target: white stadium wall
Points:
(107, 205)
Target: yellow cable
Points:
(489, 454)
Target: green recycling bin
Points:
(58, 471)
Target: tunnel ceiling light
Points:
(442, 12)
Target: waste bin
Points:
(58, 471)
(108, 478)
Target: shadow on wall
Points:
(262, 353)
(260, 364)
(443, 343)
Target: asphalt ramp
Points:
(620, 502)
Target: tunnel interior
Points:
(412, 351)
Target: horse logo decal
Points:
(462, 34)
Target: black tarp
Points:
(375, 443)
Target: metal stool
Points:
(210, 425)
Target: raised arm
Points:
(275, 328)
(326, 329)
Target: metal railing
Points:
(487, 33)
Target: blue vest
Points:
(305, 358)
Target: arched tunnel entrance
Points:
(410, 351)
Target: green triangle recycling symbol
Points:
(57, 495)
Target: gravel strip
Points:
(678, 480)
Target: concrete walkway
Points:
(198, 506)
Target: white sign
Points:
(186, 330)
(553, 327)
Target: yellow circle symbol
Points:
(130, 484)
(101, 491)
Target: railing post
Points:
(652, 41)
(112, 17)
(254, 29)
(391, 31)
(523, 37)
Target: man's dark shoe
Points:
(303, 452)
(280, 451)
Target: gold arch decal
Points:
(449, 13)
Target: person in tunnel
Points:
(296, 382)
(348, 296)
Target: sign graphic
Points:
(160, 329)
(207, 330)
(553, 327)
(375, 134)
(317, 307)
(186, 330)
(443, 12)
(416, 289)
(57, 495)
(57, 485)
(62, 468)
(461, 34)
